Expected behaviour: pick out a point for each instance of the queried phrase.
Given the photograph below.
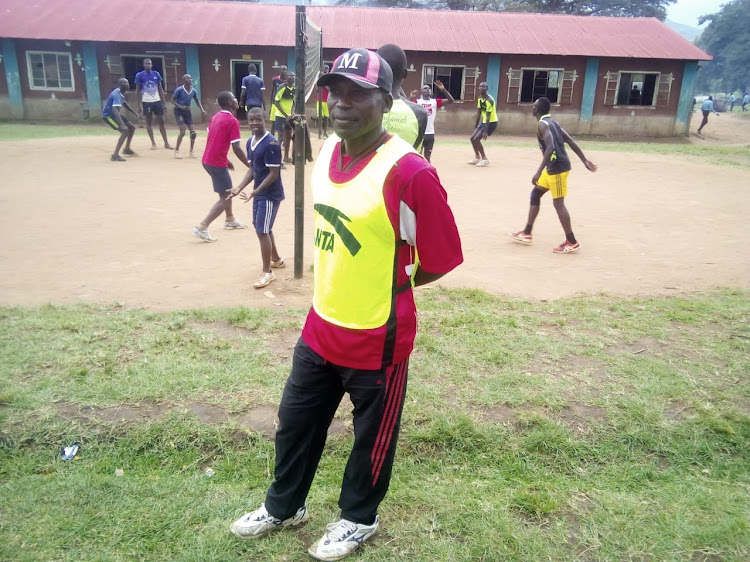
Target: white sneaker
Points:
(259, 523)
(341, 539)
(483, 163)
(192, 154)
(177, 155)
(203, 234)
(234, 225)
(473, 162)
(264, 279)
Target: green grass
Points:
(582, 429)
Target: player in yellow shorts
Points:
(557, 184)
(552, 176)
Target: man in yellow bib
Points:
(378, 204)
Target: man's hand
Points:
(535, 179)
(590, 166)
(230, 165)
(439, 84)
(414, 94)
(233, 192)
(247, 196)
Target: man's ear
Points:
(387, 102)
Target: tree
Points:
(727, 39)
(626, 8)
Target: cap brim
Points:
(326, 79)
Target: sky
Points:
(688, 11)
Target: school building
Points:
(621, 76)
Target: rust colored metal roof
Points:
(149, 21)
(237, 23)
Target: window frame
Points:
(565, 90)
(547, 70)
(45, 88)
(423, 78)
(662, 88)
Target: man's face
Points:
(326, 69)
(283, 72)
(255, 119)
(356, 111)
(187, 81)
(482, 88)
(147, 65)
(233, 105)
(290, 80)
(124, 85)
(426, 92)
(535, 109)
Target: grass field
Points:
(593, 428)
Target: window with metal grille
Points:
(50, 71)
(454, 78)
(526, 85)
(638, 88)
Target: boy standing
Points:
(485, 125)
(284, 103)
(552, 175)
(181, 99)
(431, 105)
(223, 132)
(264, 155)
(149, 90)
(113, 118)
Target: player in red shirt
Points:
(378, 204)
(223, 132)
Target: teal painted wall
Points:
(493, 75)
(589, 89)
(687, 92)
(13, 79)
(91, 69)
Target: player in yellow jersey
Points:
(485, 125)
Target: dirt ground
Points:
(79, 228)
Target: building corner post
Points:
(589, 94)
(13, 79)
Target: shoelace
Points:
(341, 530)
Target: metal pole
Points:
(299, 143)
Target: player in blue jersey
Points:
(113, 118)
(148, 87)
(253, 87)
(181, 99)
(264, 155)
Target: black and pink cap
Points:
(365, 68)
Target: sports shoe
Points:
(203, 234)
(192, 154)
(234, 225)
(278, 264)
(177, 155)
(128, 152)
(259, 523)
(341, 539)
(521, 237)
(474, 162)
(566, 248)
(117, 158)
(483, 163)
(264, 279)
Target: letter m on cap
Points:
(349, 60)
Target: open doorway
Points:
(239, 71)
